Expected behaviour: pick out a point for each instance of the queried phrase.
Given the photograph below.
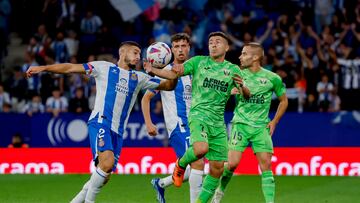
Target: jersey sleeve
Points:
(190, 65)
(148, 82)
(95, 68)
(279, 87)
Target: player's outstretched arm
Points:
(62, 68)
(167, 74)
(167, 85)
(279, 113)
(145, 106)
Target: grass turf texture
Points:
(137, 189)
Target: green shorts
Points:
(216, 137)
(242, 135)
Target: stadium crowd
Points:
(314, 45)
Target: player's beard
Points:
(128, 63)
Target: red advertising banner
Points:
(339, 161)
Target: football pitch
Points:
(137, 189)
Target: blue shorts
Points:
(180, 141)
(102, 138)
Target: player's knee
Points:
(200, 149)
(107, 165)
(232, 165)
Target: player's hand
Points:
(152, 129)
(235, 91)
(33, 70)
(271, 125)
(178, 69)
(147, 66)
(238, 80)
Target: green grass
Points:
(137, 189)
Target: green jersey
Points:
(255, 110)
(211, 88)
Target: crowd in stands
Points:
(313, 45)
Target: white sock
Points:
(195, 182)
(80, 197)
(96, 182)
(167, 181)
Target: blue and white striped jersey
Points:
(176, 105)
(116, 93)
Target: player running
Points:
(251, 123)
(212, 83)
(117, 87)
(176, 106)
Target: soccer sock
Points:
(208, 189)
(80, 197)
(188, 157)
(167, 181)
(97, 180)
(268, 185)
(225, 178)
(195, 182)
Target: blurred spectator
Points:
(60, 49)
(7, 108)
(79, 104)
(34, 106)
(5, 10)
(17, 85)
(72, 43)
(324, 88)
(17, 142)
(56, 103)
(4, 97)
(335, 103)
(33, 83)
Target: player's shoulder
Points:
(101, 64)
(271, 75)
(269, 72)
(140, 75)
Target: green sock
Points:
(268, 186)
(225, 178)
(188, 157)
(208, 189)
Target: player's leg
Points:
(237, 144)
(217, 155)
(198, 150)
(267, 177)
(179, 143)
(196, 179)
(108, 144)
(93, 131)
(263, 148)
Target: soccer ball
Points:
(158, 54)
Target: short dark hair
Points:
(258, 46)
(130, 43)
(221, 34)
(180, 36)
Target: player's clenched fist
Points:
(33, 70)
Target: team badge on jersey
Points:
(100, 136)
(226, 72)
(134, 76)
(263, 81)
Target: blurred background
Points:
(313, 45)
